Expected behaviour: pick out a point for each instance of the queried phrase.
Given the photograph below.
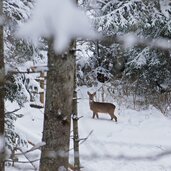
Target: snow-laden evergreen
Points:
(141, 66)
(137, 80)
(19, 58)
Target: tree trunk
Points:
(2, 80)
(75, 124)
(58, 109)
(75, 119)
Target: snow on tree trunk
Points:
(58, 109)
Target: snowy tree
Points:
(20, 56)
(58, 109)
(15, 54)
(141, 65)
(58, 25)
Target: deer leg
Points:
(113, 116)
(94, 114)
(97, 115)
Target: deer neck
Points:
(91, 103)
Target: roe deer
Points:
(99, 107)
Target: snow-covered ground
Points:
(129, 145)
(29, 127)
(124, 145)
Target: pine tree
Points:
(144, 66)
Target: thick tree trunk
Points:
(2, 80)
(58, 109)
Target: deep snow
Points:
(112, 146)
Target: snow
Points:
(137, 134)
(2, 20)
(165, 7)
(62, 20)
(135, 143)
(139, 141)
(1, 143)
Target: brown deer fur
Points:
(100, 107)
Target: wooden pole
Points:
(75, 123)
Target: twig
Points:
(16, 110)
(82, 139)
(35, 147)
(23, 161)
(29, 161)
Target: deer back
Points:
(102, 107)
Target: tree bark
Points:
(75, 119)
(2, 81)
(58, 109)
(75, 124)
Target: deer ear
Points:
(94, 93)
(88, 92)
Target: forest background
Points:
(131, 63)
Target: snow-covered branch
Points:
(62, 20)
(131, 40)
